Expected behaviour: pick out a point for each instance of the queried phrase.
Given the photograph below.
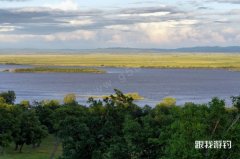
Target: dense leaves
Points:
(9, 96)
(116, 127)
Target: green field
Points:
(49, 69)
(43, 152)
(212, 61)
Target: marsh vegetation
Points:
(56, 70)
(198, 60)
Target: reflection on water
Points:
(154, 84)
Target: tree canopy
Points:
(115, 127)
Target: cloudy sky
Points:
(83, 24)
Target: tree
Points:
(77, 140)
(217, 117)
(168, 101)
(70, 99)
(141, 138)
(236, 102)
(25, 104)
(40, 132)
(188, 125)
(2, 100)
(116, 127)
(7, 124)
(8, 96)
(30, 130)
(46, 116)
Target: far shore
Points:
(54, 70)
(226, 61)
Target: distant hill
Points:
(205, 49)
(233, 49)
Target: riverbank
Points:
(206, 61)
(56, 70)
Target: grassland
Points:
(43, 152)
(211, 61)
(66, 70)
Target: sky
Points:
(88, 24)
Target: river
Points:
(186, 85)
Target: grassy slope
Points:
(228, 61)
(43, 152)
(68, 70)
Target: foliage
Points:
(8, 96)
(133, 95)
(7, 124)
(2, 100)
(116, 127)
(236, 102)
(168, 101)
(70, 99)
(25, 104)
(30, 130)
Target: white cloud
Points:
(80, 22)
(65, 5)
(32, 9)
(178, 32)
(118, 27)
(172, 33)
(157, 14)
(116, 38)
(63, 36)
(15, 38)
(227, 1)
(4, 28)
(159, 32)
(68, 36)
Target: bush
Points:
(70, 99)
(168, 101)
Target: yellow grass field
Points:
(211, 61)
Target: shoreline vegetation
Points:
(133, 95)
(55, 70)
(142, 60)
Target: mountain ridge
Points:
(197, 49)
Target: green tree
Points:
(76, 139)
(2, 100)
(236, 102)
(7, 124)
(45, 112)
(70, 99)
(168, 101)
(9, 96)
(25, 104)
(30, 131)
(189, 125)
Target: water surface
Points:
(186, 85)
